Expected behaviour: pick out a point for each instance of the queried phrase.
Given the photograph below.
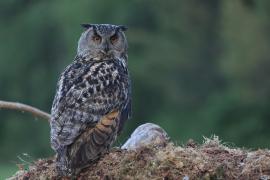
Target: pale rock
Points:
(145, 135)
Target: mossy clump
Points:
(210, 160)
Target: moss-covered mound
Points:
(211, 160)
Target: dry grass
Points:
(211, 160)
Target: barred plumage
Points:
(92, 101)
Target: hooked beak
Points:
(106, 48)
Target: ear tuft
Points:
(123, 28)
(87, 26)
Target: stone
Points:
(145, 135)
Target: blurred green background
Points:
(198, 67)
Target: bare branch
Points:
(23, 107)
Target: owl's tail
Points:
(93, 142)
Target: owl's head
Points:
(103, 41)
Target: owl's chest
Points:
(106, 77)
(103, 83)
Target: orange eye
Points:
(114, 38)
(96, 38)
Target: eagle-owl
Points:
(93, 98)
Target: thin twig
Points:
(23, 107)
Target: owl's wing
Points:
(69, 114)
(125, 114)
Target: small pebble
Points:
(185, 177)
